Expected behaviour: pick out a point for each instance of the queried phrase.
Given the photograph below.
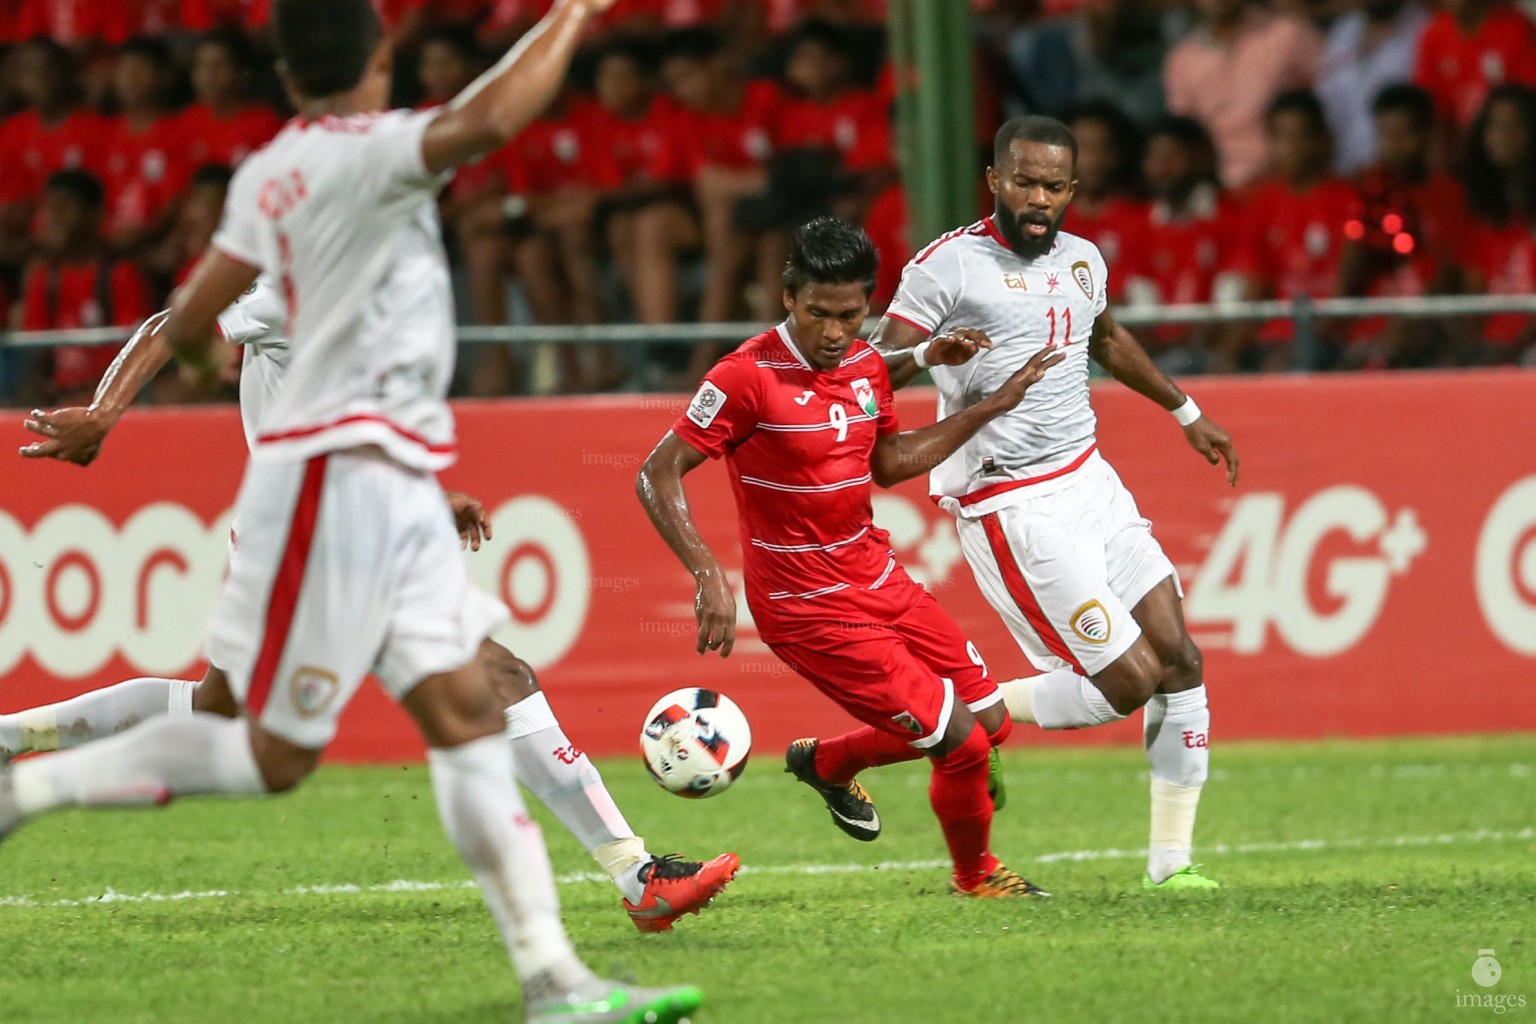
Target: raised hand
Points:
(1013, 389)
(956, 346)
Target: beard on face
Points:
(1026, 245)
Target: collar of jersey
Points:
(794, 349)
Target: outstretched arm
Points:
(908, 350)
(498, 104)
(76, 434)
(660, 487)
(911, 453)
(1117, 350)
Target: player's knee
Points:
(213, 696)
(511, 676)
(1184, 668)
(968, 754)
(1136, 677)
(282, 765)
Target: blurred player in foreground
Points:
(1052, 536)
(348, 565)
(805, 417)
(657, 890)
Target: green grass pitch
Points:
(1361, 881)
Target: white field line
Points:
(1215, 849)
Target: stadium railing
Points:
(1305, 313)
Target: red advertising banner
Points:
(1373, 574)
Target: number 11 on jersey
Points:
(1066, 312)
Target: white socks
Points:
(1177, 735)
(484, 816)
(163, 758)
(1058, 699)
(93, 715)
(564, 780)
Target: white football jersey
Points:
(254, 321)
(342, 213)
(970, 278)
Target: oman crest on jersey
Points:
(864, 395)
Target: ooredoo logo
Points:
(1505, 573)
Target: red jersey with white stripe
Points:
(798, 442)
(342, 212)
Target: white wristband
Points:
(1187, 413)
(920, 355)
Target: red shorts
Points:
(903, 676)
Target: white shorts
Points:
(1065, 566)
(348, 564)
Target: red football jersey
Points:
(552, 153)
(633, 148)
(1458, 70)
(1294, 240)
(887, 225)
(740, 140)
(1178, 258)
(77, 296)
(1505, 259)
(34, 150)
(855, 124)
(211, 140)
(798, 443)
(64, 21)
(144, 172)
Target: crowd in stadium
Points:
(1227, 150)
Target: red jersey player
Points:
(804, 416)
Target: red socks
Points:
(958, 792)
(839, 759)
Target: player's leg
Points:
(1051, 587)
(657, 890)
(90, 716)
(1176, 731)
(435, 624)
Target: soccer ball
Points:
(695, 742)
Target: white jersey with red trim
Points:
(254, 321)
(342, 213)
(970, 278)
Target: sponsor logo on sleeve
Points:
(1091, 623)
(706, 405)
(1084, 277)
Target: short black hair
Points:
(235, 46)
(1299, 101)
(325, 45)
(697, 42)
(153, 50)
(636, 51)
(81, 185)
(212, 174)
(457, 38)
(830, 250)
(823, 33)
(1402, 98)
(1488, 185)
(1184, 130)
(1032, 128)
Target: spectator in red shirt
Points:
(144, 169)
(1406, 232)
(1470, 47)
(722, 151)
(197, 215)
(1105, 208)
(1184, 247)
(75, 285)
(641, 211)
(73, 23)
(53, 134)
(832, 152)
(224, 127)
(1500, 178)
(889, 227)
(1294, 234)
